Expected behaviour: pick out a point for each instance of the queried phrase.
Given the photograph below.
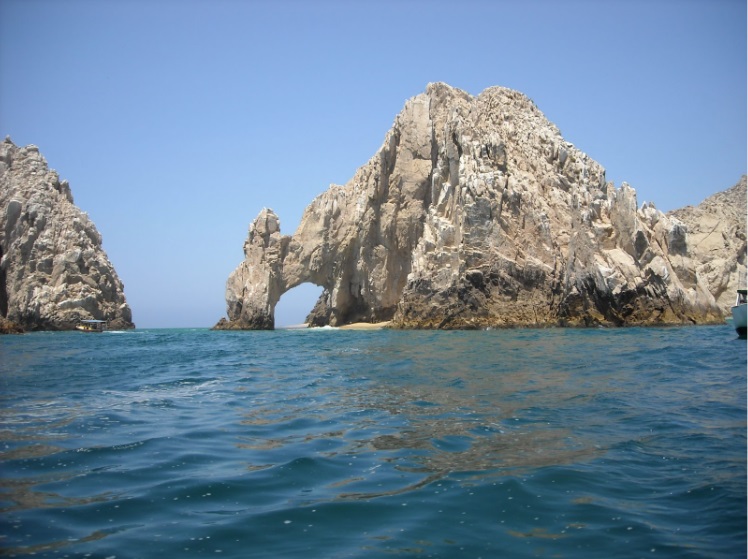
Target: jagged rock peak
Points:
(53, 270)
(475, 212)
(717, 242)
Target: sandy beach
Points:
(365, 326)
(353, 326)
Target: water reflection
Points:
(397, 409)
(27, 434)
(23, 494)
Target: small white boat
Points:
(739, 313)
(91, 325)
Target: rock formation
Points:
(717, 243)
(474, 213)
(53, 271)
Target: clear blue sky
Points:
(176, 122)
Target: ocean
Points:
(326, 443)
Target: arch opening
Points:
(3, 289)
(296, 304)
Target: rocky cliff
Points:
(474, 213)
(717, 242)
(53, 270)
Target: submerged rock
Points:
(10, 327)
(475, 212)
(53, 270)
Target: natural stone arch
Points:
(355, 241)
(475, 212)
(358, 285)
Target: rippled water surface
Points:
(332, 443)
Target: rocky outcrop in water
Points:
(717, 243)
(475, 212)
(53, 270)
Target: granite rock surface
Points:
(717, 243)
(53, 270)
(474, 213)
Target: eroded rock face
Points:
(717, 243)
(53, 270)
(475, 212)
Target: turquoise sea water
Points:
(328, 443)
